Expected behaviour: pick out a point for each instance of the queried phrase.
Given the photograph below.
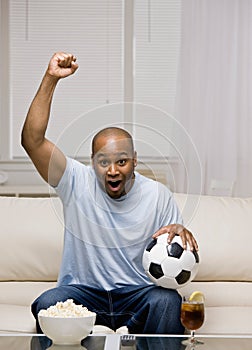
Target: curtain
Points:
(213, 101)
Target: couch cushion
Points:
(222, 226)
(22, 293)
(222, 293)
(227, 320)
(31, 238)
(16, 318)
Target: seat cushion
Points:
(231, 320)
(16, 318)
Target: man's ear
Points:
(135, 159)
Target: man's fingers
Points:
(161, 231)
(172, 230)
(177, 229)
(65, 60)
(184, 241)
(171, 235)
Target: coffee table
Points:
(130, 342)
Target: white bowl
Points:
(67, 330)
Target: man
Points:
(110, 213)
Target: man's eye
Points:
(103, 162)
(122, 162)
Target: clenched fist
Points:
(62, 65)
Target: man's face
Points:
(114, 161)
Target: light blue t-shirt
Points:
(104, 237)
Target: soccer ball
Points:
(170, 265)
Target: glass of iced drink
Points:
(192, 316)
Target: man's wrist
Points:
(51, 78)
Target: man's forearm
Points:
(39, 112)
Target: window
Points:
(94, 31)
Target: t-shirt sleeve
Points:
(66, 185)
(169, 208)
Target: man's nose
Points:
(113, 169)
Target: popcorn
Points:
(65, 309)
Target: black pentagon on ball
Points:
(183, 277)
(196, 255)
(151, 245)
(174, 250)
(156, 270)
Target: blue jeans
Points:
(143, 309)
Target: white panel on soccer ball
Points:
(194, 271)
(158, 253)
(168, 282)
(146, 260)
(162, 239)
(187, 260)
(171, 267)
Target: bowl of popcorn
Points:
(66, 322)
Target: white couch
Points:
(31, 242)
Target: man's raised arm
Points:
(47, 158)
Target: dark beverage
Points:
(192, 315)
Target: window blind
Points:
(92, 30)
(91, 99)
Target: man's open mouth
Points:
(114, 184)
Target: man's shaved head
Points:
(111, 132)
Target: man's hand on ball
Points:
(177, 229)
(62, 65)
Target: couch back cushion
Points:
(31, 238)
(223, 227)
